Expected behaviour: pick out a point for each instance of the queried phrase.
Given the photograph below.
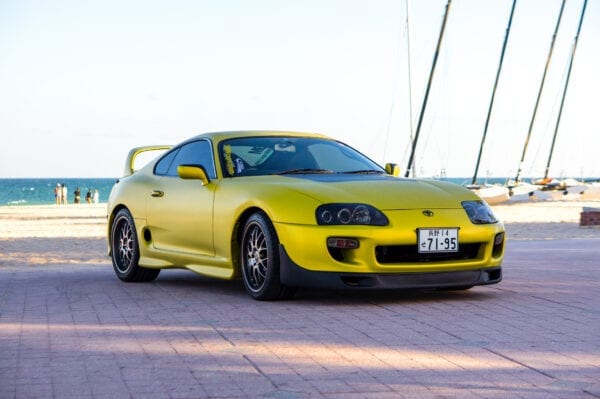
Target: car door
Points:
(180, 212)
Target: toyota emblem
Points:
(428, 213)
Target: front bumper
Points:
(393, 249)
(294, 275)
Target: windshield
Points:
(254, 156)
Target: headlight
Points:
(479, 212)
(350, 214)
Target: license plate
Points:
(437, 240)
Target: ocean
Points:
(41, 191)
(34, 191)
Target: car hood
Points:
(382, 191)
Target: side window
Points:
(162, 166)
(194, 153)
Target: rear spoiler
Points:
(129, 163)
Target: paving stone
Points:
(75, 331)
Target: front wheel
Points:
(260, 260)
(125, 250)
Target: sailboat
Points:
(486, 193)
(526, 192)
(517, 180)
(569, 188)
(494, 194)
(410, 165)
(519, 190)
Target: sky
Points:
(82, 82)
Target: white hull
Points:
(568, 190)
(493, 194)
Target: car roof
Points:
(220, 136)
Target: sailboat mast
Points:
(435, 57)
(562, 102)
(409, 62)
(487, 120)
(539, 95)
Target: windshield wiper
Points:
(303, 171)
(365, 172)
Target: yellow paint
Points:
(203, 221)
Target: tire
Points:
(260, 260)
(125, 250)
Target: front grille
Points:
(409, 254)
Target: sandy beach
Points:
(51, 234)
(546, 220)
(76, 233)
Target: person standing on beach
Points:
(77, 196)
(57, 193)
(88, 196)
(64, 195)
(96, 196)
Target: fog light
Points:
(498, 245)
(499, 239)
(343, 243)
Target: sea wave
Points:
(18, 202)
(40, 191)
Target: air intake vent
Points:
(409, 254)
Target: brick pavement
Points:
(70, 329)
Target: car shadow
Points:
(185, 280)
(407, 296)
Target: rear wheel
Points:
(260, 260)
(125, 250)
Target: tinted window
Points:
(332, 156)
(162, 166)
(273, 155)
(194, 153)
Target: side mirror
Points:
(193, 172)
(392, 169)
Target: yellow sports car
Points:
(284, 210)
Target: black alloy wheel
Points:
(260, 260)
(125, 251)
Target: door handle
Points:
(158, 193)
